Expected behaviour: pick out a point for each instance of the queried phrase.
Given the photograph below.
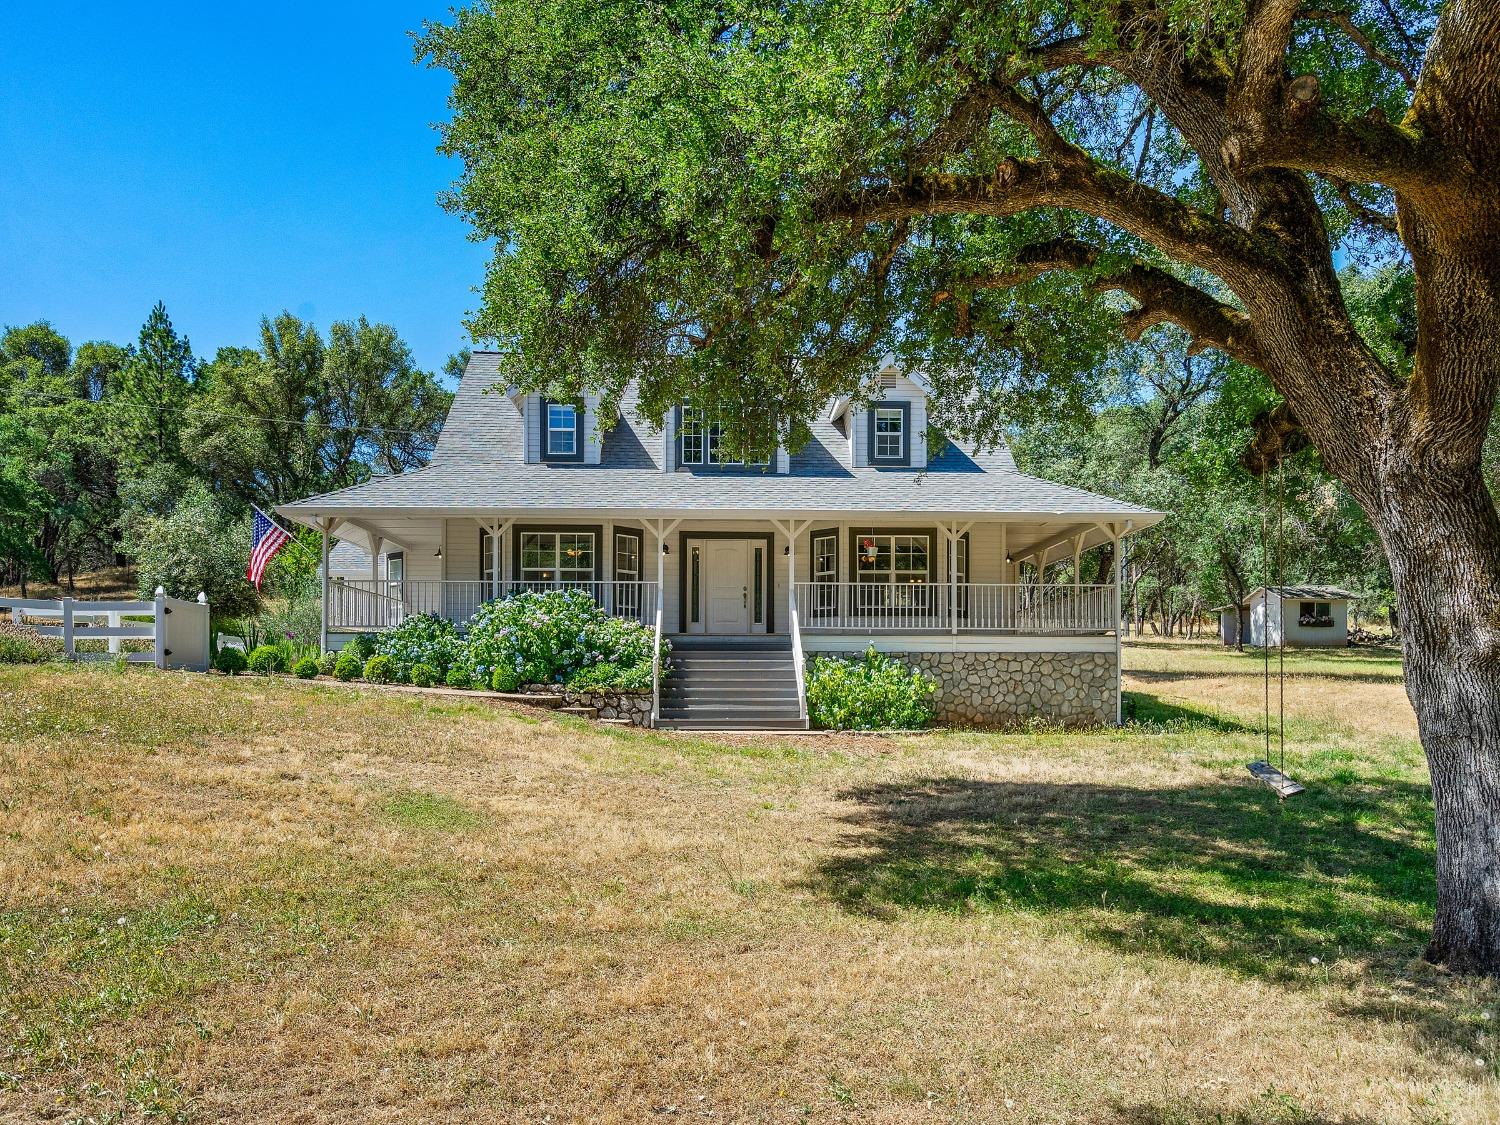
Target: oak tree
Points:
(751, 204)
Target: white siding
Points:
(593, 436)
(532, 413)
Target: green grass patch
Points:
(418, 809)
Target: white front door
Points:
(726, 592)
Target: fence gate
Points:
(177, 629)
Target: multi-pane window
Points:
(825, 573)
(892, 558)
(1317, 614)
(701, 442)
(562, 557)
(627, 557)
(561, 436)
(889, 433)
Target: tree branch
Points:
(1161, 297)
(1361, 212)
(1344, 21)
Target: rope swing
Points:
(1262, 769)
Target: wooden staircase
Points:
(731, 683)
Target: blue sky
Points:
(232, 161)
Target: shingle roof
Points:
(479, 466)
(1307, 593)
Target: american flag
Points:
(267, 539)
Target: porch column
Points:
(495, 532)
(374, 564)
(324, 525)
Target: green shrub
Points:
(305, 669)
(21, 644)
(423, 675)
(549, 638)
(611, 677)
(872, 692)
(458, 677)
(231, 661)
(423, 638)
(505, 679)
(266, 659)
(326, 661)
(362, 645)
(348, 666)
(379, 670)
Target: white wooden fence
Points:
(177, 629)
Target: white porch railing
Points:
(362, 605)
(799, 661)
(963, 607)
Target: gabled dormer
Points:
(561, 431)
(692, 442)
(890, 431)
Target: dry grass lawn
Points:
(261, 900)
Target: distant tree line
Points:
(108, 451)
(1169, 428)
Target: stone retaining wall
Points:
(1075, 689)
(633, 707)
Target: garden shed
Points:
(1299, 616)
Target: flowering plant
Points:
(548, 638)
(421, 639)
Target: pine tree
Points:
(152, 395)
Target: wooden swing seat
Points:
(1282, 785)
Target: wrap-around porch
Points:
(819, 578)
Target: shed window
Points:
(1317, 615)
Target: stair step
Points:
(719, 724)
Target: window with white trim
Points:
(562, 557)
(888, 434)
(893, 559)
(700, 441)
(562, 437)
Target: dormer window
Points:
(890, 434)
(701, 442)
(562, 434)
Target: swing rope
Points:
(1274, 776)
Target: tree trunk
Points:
(1443, 541)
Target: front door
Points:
(727, 591)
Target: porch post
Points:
(953, 578)
(1119, 567)
(374, 564)
(324, 525)
(495, 531)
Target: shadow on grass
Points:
(1293, 673)
(1151, 712)
(1218, 874)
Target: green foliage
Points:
(326, 662)
(362, 645)
(609, 676)
(416, 809)
(549, 638)
(872, 692)
(151, 396)
(194, 546)
(21, 644)
(231, 661)
(348, 666)
(379, 670)
(266, 659)
(459, 677)
(423, 675)
(421, 639)
(306, 668)
(300, 415)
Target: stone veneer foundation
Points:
(1075, 689)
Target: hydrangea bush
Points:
(421, 639)
(871, 692)
(550, 638)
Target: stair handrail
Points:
(656, 664)
(795, 627)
